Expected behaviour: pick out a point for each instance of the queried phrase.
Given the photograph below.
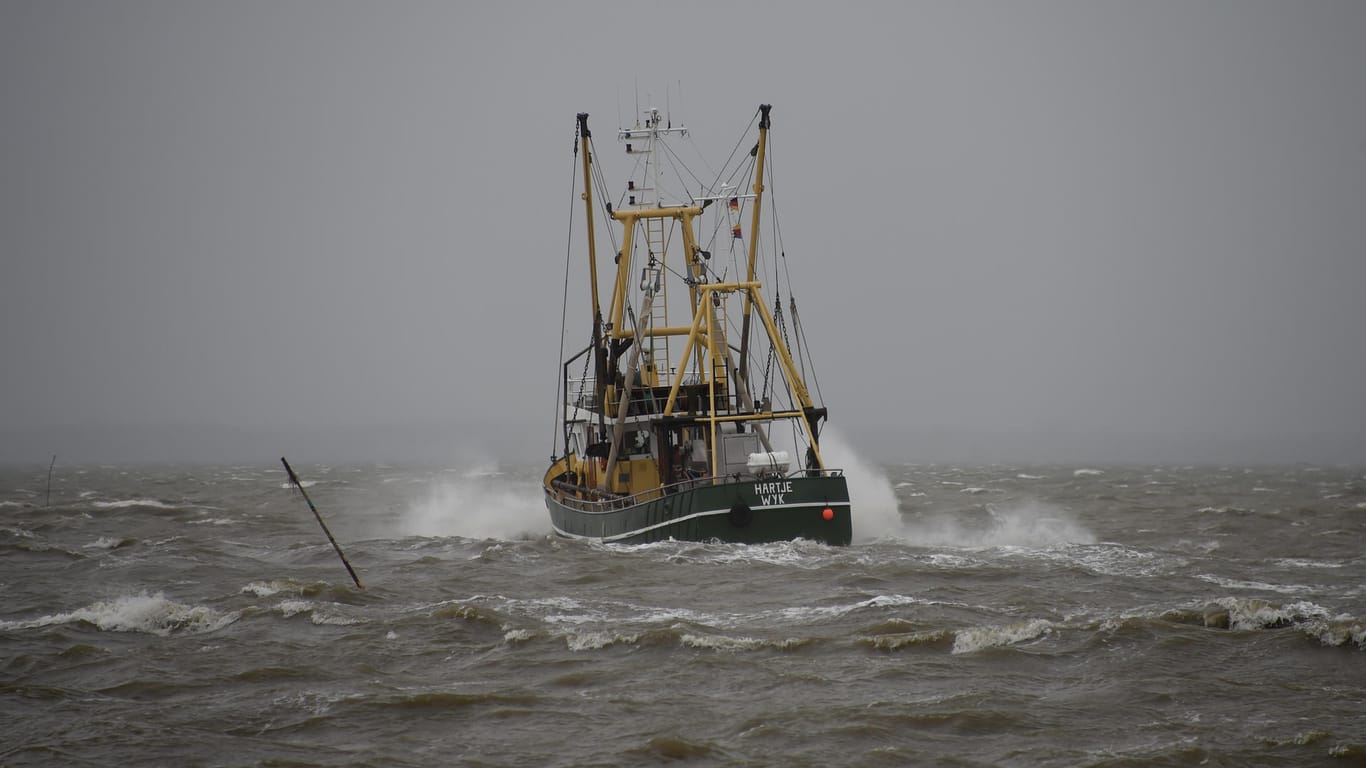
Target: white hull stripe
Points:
(677, 520)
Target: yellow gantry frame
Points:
(701, 295)
(702, 320)
(628, 219)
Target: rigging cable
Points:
(801, 334)
(604, 202)
(564, 304)
(734, 149)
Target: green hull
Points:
(749, 512)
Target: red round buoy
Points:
(828, 513)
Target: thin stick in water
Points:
(49, 480)
(293, 478)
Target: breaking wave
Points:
(153, 614)
(979, 638)
(130, 503)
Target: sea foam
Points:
(876, 514)
(153, 614)
(483, 505)
(1028, 524)
(129, 503)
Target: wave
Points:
(1297, 562)
(735, 644)
(1237, 613)
(110, 542)
(1087, 472)
(1029, 524)
(980, 638)
(129, 503)
(798, 553)
(448, 700)
(318, 614)
(896, 641)
(1242, 614)
(671, 748)
(1337, 631)
(272, 588)
(1258, 586)
(152, 614)
(678, 635)
(40, 548)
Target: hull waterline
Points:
(747, 512)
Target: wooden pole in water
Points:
(49, 480)
(293, 478)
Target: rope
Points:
(802, 334)
(564, 304)
(716, 184)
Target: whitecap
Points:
(1295, 562)
(1085, 472)
(592, 641)
(735, 644)
(271, 588)
(804, 613)
(1256, 586)
(107, 542)
(290, 608)
(322, 619)
(1244, 613)
(126, 503)
(977, 638)
(153, 614)
(1336, 632)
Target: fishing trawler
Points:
(687, 416)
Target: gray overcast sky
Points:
(1084, 231)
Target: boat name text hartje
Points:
(772, 493)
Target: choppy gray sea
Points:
(1040, 615)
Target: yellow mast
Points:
(599, 352)
(759, 151)
(584, 136)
